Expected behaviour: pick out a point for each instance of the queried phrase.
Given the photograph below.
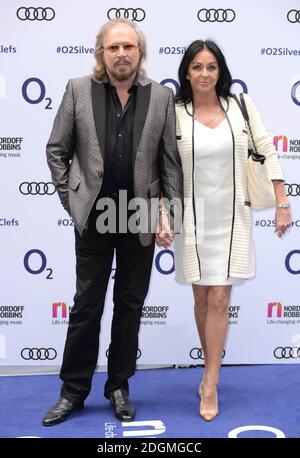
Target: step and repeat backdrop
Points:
(42, 45)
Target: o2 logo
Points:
(31, 84)
(242, 84)
(35, 262)
(234, 433)
(164, 262)
(175, 84)
(288, 261)
(294, 95)
(2, 86)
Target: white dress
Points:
(213, 193)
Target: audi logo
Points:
(139, 353)
(287, 352)
(293, 16)
(134, 14)
(38, 354)
(292, 189)
(213, 15)
(35, 14)
(197, 353)
(35, 188)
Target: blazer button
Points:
(100, 174)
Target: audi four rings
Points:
(292, 189)
(287, 352)
(35, 14)
(197, 353)
(35, 188)
(213, 15)
(139, 353)
(134, 14)
(293, 16)
(39, 353)
(138, 14)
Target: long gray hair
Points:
(99, 69)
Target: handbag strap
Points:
(245, 111)
(242, 106)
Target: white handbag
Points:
(260, 187)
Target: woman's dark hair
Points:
(185, 93)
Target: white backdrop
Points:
(43, 43)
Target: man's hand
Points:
(164, 234)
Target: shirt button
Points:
(119, 135)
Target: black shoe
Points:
(60, 411)
(124, 409)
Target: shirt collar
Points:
(135, 84)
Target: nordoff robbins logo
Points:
(134, 14)
(35, 14)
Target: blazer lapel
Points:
(141, 110)
(99, 110)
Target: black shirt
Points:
(118, 168)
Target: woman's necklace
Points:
(208, 119)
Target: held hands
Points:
(283, 220)
(164, 234)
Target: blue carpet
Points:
(267, 396)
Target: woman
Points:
(215, 249)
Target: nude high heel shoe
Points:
(200, 389)
(208, 413)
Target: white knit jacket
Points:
(241, 260)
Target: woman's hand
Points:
(164, 234)
(283, 220)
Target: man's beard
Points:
(121, 75)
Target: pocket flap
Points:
(74, 182)
(154, 188)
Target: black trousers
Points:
(94, 256)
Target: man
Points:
(113, 133)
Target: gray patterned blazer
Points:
(75, 150)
